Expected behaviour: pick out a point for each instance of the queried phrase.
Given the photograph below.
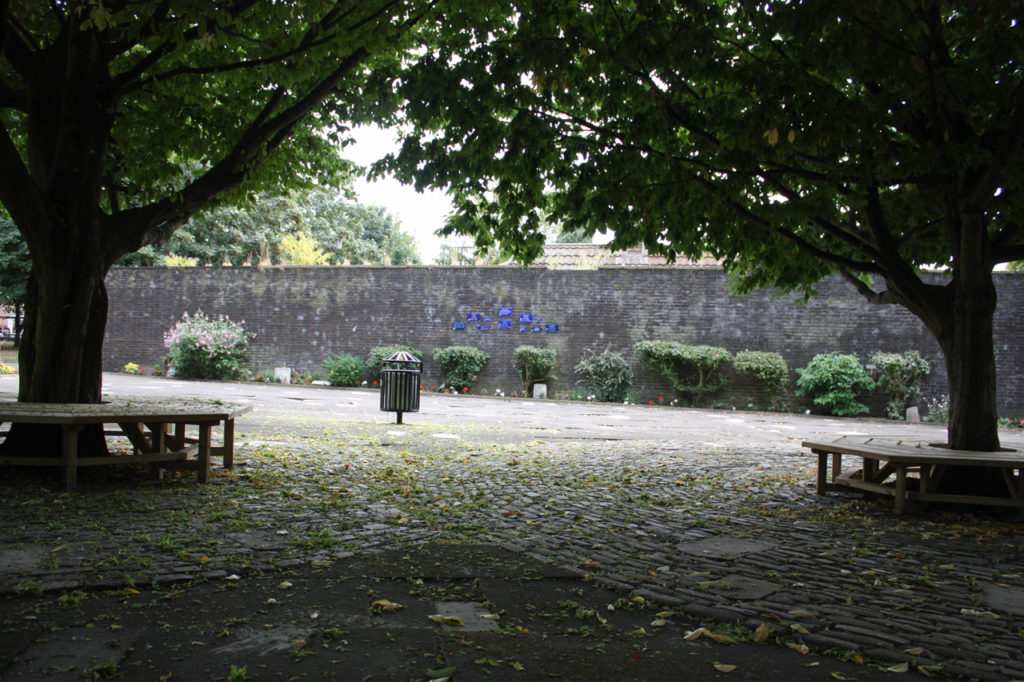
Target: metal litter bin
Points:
(400, 384)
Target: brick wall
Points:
(301, 315)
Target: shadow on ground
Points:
(468, 612)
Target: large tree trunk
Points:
(60, 357)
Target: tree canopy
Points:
(791, 140)
(311, 227)
(120, 119)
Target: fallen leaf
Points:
(659, 623)
(840, 676)
(898, 668)
(285, 585)
(721, 639)
(762, 633)
(796, 627)
(914, 651)
(452, 621)
(385, 605)
(797, 646)
(800, 613)
(696, 634)
(298, 643)
(724, 667)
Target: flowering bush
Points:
(7, 369)
(205, 348)
(132, 368)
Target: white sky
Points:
(420, 214)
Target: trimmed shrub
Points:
(693, 371)
(375, 360)
(769, 370)
(606, 376)
(460, 365)
(343, 369)
(833, 380)
(201, 347)
(900, 376)
(535, 365)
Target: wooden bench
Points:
(915, 461)
(157, 429)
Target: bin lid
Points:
(402, 357)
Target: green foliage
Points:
(833, 381)
(900, 376)
(132, 368)
(607, 376)
(693, 371)
(1016, 266)
(344, 369)
(377, 355)
(938, 410)
(768, 369)
(460, 365)
(790, 140)
(310, 227)
(201, 347)
(15, 264)
(535, 365)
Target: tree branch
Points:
(156, 221)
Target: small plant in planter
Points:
(833, 381)
(604, 376)
(343, 369)
(535, 365)
(769, 370)
(900, 376)
(692, 370)
(460, 365)
(132, 368)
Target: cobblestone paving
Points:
(723, 530)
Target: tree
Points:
(255, 230)
(118, 120)
(791, 140)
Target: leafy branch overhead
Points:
(870, 140)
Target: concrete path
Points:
(709, 514)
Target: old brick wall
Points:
(302, 314)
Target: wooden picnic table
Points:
(158, 429)
(888, 464)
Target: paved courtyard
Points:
(711, 515)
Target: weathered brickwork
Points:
(301, 315)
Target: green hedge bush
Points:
(460, 365)
(606, 376)
(375, 359)
(535, 365)
(833, 381)
(344, 369)
(201, 347)
(900, 376)
(768, 369)
(693, 371)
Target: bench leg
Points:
(822, 472)
(204, 453)
(69, 453)
(901, 489)
(229, 443)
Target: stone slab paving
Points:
(710, 518)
